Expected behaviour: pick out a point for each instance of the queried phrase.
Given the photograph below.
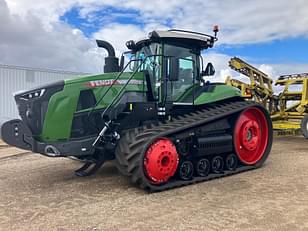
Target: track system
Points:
(155, 159)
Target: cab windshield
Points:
(147, 55)
(152, 49)
(149, 60)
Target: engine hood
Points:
(59, 111)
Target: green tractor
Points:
(156, 117)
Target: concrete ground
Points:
(40, 193)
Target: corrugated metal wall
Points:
(13, 79)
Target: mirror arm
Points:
(122, 60)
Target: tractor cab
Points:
(172, 63)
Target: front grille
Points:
(32, 105)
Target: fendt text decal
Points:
(109, 82)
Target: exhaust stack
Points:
(111, 61)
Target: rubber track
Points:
(134, 143)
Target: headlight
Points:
(33, 95)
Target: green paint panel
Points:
(58, 119)
(63, 105)
(220, 92)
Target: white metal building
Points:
(14, 78)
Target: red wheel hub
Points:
(161, 161)
(251, 135)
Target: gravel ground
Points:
(40, 193)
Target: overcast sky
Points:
(60, 34)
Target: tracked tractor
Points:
(157, 117)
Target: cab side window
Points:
(178, 87)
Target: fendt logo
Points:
(111, 82)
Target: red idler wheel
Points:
(251, 135)
(161, 161)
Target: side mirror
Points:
(131, 44)
(174, 67)
(209, 70)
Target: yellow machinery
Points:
(259, 87)
(292, 103)
(289, 109)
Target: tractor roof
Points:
(181, 37)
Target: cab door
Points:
(180, 75)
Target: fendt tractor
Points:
(155, 116)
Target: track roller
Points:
(231, 162)
(217, 164)
(186, 170)
(203, 167)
